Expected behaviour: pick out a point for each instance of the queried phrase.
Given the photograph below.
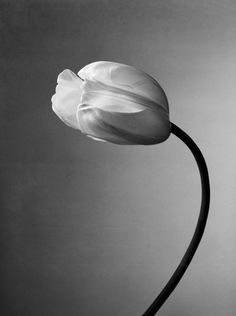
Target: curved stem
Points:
(179, 272)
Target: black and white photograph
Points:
(117, 165)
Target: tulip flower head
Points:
(113, 102)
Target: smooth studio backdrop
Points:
(90, 228)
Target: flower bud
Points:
(113, 102)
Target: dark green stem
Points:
(179, 272)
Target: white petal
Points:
(67, 98)
(96, 138)
(145, 127)
(109, 99)
(69, 78)
(127, 78)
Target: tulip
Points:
(113, 102)
(123, 105)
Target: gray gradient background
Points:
(89, 228)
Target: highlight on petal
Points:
(96, 138)
(67, 98)
(110, 99)
(141, 128)
(127, 78)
